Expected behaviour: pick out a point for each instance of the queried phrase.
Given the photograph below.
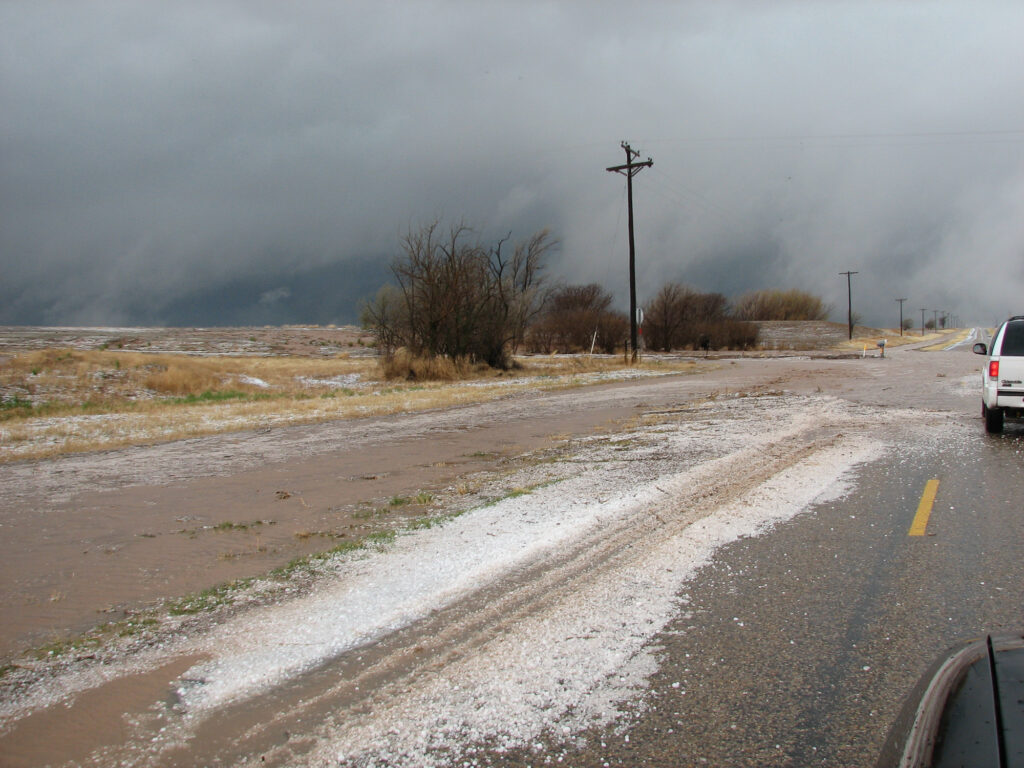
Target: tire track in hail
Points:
(352, 687)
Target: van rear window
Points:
(1013, 340)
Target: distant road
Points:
(974, 335)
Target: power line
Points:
(1016, 134)
(678, 190)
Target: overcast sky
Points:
(194, 162)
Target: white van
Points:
(1002, 379)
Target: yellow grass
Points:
(84, 401)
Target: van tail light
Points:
(993, 369)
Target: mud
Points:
(105, 555)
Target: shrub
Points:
(680, 316)
(573, 315)
(781, 305)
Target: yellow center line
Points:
(924, 509)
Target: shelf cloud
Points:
(204, 162)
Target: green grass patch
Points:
(285, 571)
(134, 627)
(16, 403)
(207, 599)
(424, 523)
(93, 639)
(515, 493)
(20, 408)
(379, 539)
(211, 396)
(382, 537)
(304, 535)
(63, 646)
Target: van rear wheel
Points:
(993, 419)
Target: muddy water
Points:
(86, 556)
(93, 720)
(101, 555)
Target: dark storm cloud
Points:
(204, 161)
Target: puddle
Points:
(70, 732)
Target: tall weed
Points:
(182, 379)
(410, 367)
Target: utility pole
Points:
(923, 310)
(629, 170)
(849, 300)
(901, 315)
(935, 319)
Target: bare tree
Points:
(575, 316)
(385, 315)
(680, 316)
(459, 299)
(666, 315)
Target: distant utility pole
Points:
(849, 300)
(935, 319)
(629, 170)
(901, 315)
(923, 310)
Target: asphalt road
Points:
(798, 648)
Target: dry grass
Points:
(63, 376)
(411, 368)
(59, 401)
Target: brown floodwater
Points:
(79, 548)
(92, 720)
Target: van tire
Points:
(993, 420)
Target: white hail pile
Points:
(583, 654)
